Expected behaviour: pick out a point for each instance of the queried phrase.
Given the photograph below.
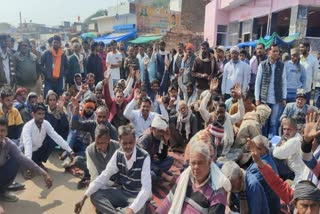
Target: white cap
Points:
(159, 122)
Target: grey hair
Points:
(126, 130)
(231, 170)
(200, 148)
(290, 121)
(261, 138)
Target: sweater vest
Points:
(130, 180)
(266, 78)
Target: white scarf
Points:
(218, 181)
(186, 122)
(228, 137)
(80, 61)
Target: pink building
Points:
(229, 22)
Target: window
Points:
(222, 35)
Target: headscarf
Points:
(55, 112)
(306, 190)
(186, 121)
(19, 91)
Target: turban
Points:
(306, 190)
(20, 90)
(189, 46)
(159, 123)
(235, 48)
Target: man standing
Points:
(296, 76)
(114, 61)
(10, 160)
(141, 57)
(131, 61)
(204, 68)
(187, 64)
(103, 55)
(235, 71)
(94, 64)
(177, 59)
(76, 64)
(6, 63)
(311, 65)
(55, 65)
(221, 62)
(163, 60)
(134, 186)
(271, 89)
(33, 137)
(27, 68)
(255, 62)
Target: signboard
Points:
(155, 20)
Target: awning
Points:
(118, 37)
(145, 39)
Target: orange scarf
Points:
(57, 63)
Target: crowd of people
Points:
(248, 127)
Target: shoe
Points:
(83, 183)
(8, 197)
(15, 186)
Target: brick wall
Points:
(193, 14)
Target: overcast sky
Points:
(50, 12)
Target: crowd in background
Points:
(247, 126)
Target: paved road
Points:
(59, 199)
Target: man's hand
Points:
(146, 63)
(258, 102)
(284, 103)
(106, 79)
(84, 88)
(166, 136)
(129, 211)
(159, 99)
(1, 210)
(255, 156)
(214, 83)
(137, 94)
(79, 205)
(61, 104)
(40, 99)
(75, 105)
(47, 180)
(138, 75)
(237, 90)
(311, 130)
(204, 76)
(72, 156)
(181, 71)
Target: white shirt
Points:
(291, 151)
(111, 169)
(114, 58)
(32, 137)
(136, 118)
(311, 66)
(141, 64)
(235, 73)
(6, 64)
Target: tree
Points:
(100, 12)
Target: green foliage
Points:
(161, 3)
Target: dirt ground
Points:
(60, 199)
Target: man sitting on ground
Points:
(287, 153)
(155, 141)
(97, 156)
(134, 185)
(34, 134)
(10, 160)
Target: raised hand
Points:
(84, 88)
(311, 130)
(214, 83)
(138, 75)
(159, 99)
(137, 94)
(106, 79)
(61, 103)
(146, 62)
(238, 91)
(40, 99)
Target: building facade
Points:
(229, 22)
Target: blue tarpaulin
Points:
(118, 37)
